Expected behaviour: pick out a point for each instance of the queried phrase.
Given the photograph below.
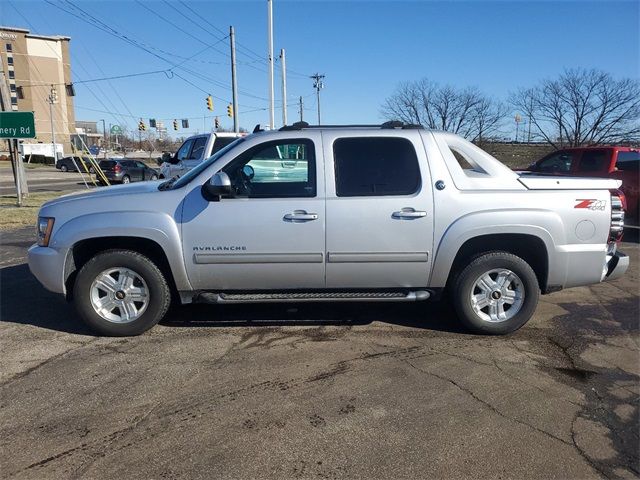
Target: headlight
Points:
(44, 227)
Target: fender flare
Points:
(155, 226)
(545, 226)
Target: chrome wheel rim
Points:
(125, 179)
(119, 295)
(497, 295)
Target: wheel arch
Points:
(83, 250)
(530, 248)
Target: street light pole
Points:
(53, 98)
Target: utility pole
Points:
(318, 84)
(104, 137)
(234, 80)
(283, 64)
(270, 54)
(301, 108)
(53, 98)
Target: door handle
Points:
(409, 213)
(299, 216)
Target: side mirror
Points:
(219, 185)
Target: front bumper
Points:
(47, 265)
(617, 265)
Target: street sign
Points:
(17, 125)
(116, 130)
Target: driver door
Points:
(268, 235)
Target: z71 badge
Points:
(590, 203)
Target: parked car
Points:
(68, 164)
(193, 151)
(365, 214)
(126, 171)
(620, 163)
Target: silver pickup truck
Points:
(390, 213)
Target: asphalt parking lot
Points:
(303, 391)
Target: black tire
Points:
(464, 287)
(126, 179)
(158, 291)
(63, 168)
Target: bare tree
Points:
(582, 107)
(466, 112)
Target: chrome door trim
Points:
(377, 257)
(245, 258)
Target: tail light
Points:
(117, 168)
(618, 203)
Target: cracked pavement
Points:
(322, 391)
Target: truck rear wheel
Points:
(497, 293)
(121, 293)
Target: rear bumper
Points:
(617, 265)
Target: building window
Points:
(12, 74)
(8, 47)
(12, 87)
(14, 100)
(9, 60)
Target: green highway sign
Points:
(17, 125)
(116, 130)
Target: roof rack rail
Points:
(386, 125)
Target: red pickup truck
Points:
(621, 163)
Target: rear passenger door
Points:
(379, 210)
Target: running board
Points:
(381, 296)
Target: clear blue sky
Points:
(364, 48)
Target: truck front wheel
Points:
(121, 293)
(497, 293)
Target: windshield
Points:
(193, 173)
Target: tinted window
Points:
(127, 163)
(375, 166)
(628, 161)
(556, 162)
(198, 148)
(183, 152)
(140, 165)
(222, 142)
(594, 161)
(282, 168)
(107, 164)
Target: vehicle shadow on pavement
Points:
(23, 300)
(436, 316)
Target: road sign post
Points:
(15, 125)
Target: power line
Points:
(166, 72)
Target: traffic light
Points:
(217, 122)
(175, 124)
(210, 103)
(230, 110)
(141, 126)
